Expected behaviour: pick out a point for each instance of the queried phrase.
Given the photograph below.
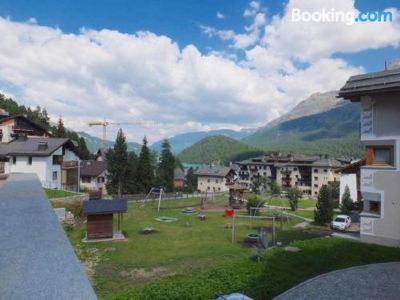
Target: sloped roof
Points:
(371, 83)
(92, 168)
(179, 174)
(4, 118)
(95, 207)
(30, 146)
(216, 171)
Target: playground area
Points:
(182, 237)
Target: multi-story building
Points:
(379, 95)
(214, 179)
(307, 173)
(25, 147)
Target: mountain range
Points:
(321, 124)
(182, 141)
(94, 143)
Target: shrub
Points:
(347, 202)
(294, 194)
(323, 213)
(253, 201)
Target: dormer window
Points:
(43, 146)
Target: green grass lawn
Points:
(51, 193)
(197, 262)
(284, 202)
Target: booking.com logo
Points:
(348, 17)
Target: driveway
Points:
(375, 281)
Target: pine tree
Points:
(191, 180)
(131, 186)
(294, 194)
(117, 165)
(166, 167)
(60, 129)
(323, 212)
(83, 150)
(347, 202)
(145, 169)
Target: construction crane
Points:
(104, 123)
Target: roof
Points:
(98, 207)
(215, 171)
(354, 167)
(371, 83)
(30, 146)
(92, 168)
(294, 160)
(37, 260)
(4, 118)
(179, 174)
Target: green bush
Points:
(253, 201)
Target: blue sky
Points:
(196, 59)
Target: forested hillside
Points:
(334, 132)
(218, 148)
(184, 140)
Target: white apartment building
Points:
(307, 173)
(214, 179)
(379, 96)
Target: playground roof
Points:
(99, 207)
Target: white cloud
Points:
(220, 15)
(144, 76)
(252, 32)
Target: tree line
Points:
(129, 173)
(40, 116)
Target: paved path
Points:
(376, 281)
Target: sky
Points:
(180, 66)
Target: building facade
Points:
(214, 179)
(307, 173)
(379, 94)
(26, 147)
(93, 175)
(53, 160)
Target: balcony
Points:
(69, 164)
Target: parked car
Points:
(283, 194)
(341, 222)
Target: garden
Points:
(196, 259)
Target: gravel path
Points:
(375, 281)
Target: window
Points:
(208, 188)
(57, 159)
(325, 170)
(29, 160)
(315, 178)
(14, 160)
(316, 185)
(315, 170)
(294, 169)
(375, 207)
(100, 179)
(208, 180)
(55, 175)
(85, 179)
(216, 180)
(380, 156)
(219, 189)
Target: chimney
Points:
(6, 131)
